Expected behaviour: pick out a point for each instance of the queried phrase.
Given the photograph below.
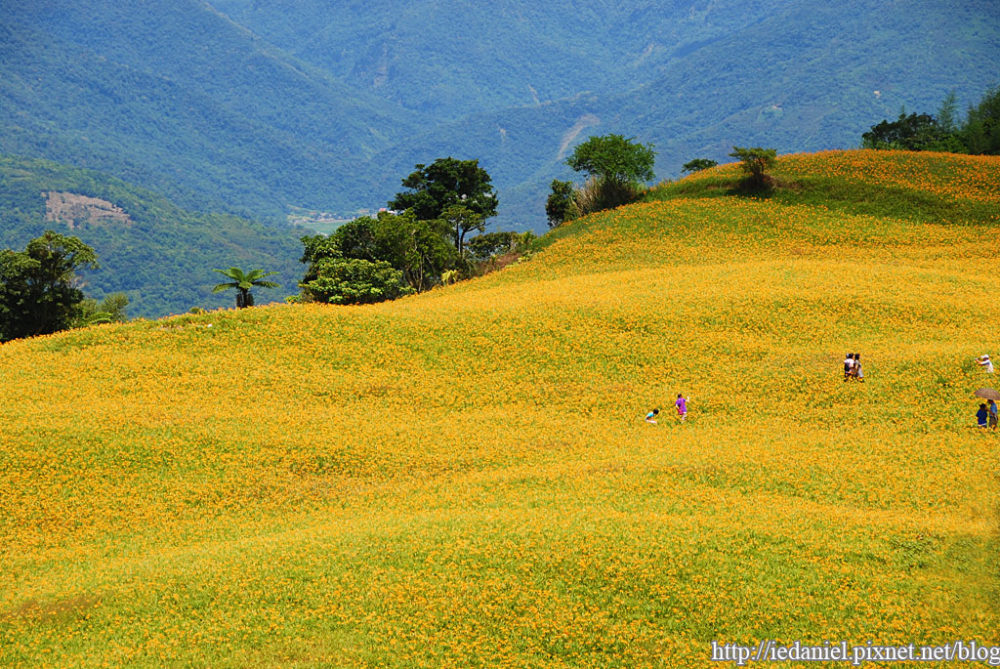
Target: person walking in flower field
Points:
(992, 409)
(681, 404)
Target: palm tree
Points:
(243, 282)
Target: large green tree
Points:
(616, 166)
(561, 204)
(354, 281)
(421, 250)
(244, 282)
(981, 131)
(460, 221)
(39, 291)
(614, 158)
(444, 183)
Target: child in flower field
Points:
(651, 416)
(981, 416)
(681, 404)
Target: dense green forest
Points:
(253, 108)
(163, 257)
(176, 98)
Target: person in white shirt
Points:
(848, 366)
(984, 361)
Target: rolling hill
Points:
(464, 478)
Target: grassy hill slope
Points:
(463, 478)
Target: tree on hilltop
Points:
(353, 281)
(243, 282)
(39, 291)
(461, 220)
(561, 204)
(420, 251)
(698, 164)
(614, 158)
(754, 162)
(616, 169)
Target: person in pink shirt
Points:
(682, 408)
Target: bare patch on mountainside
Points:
(76, 210)
(585, 121)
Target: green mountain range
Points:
(254, 107)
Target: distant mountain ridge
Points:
(253, 108)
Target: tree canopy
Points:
(914, 132)
(978, 134)
(981, 131)
(38, 286)
(354, 281)
(698, 164)
(561, 203)
(755, 161)
(614, 158)
(444, 183)
(419, 251)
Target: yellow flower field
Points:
(463, 478)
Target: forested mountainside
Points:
(159, 255)
(255, 107)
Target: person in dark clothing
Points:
(982, 415)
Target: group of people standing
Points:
(986, 417)
(852, 368)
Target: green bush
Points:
(354, 281)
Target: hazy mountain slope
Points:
(810, 76)
(828, 72)
(328, 105)
(448, 58)
(161, 256)
(175, 96)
